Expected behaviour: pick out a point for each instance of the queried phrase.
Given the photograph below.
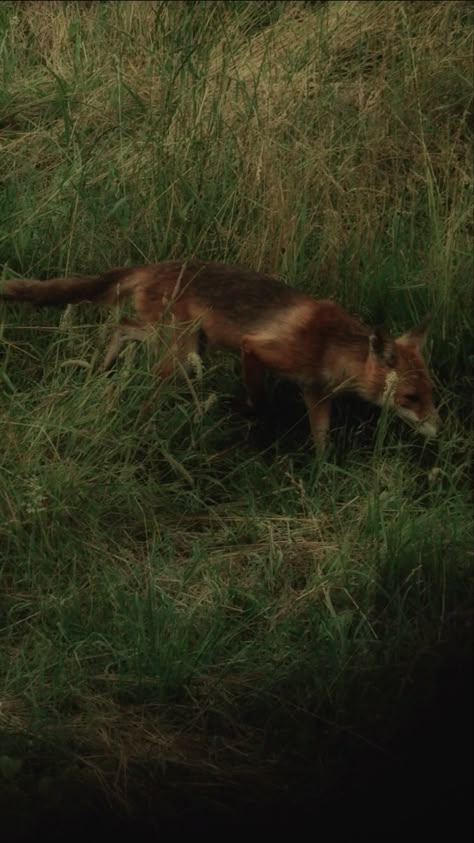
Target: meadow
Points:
(191, 603)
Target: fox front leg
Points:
(319, 411)
(253, 372)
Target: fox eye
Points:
(411, 397)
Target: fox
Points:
(272, 326)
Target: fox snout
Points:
(430, 426)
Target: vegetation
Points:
(186, 597)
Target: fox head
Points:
(400, 377)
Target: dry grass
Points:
(176, 597)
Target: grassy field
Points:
(191, 604)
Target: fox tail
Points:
(57, 291)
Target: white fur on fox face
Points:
(427, 427)
(408, 415)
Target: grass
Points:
(185, 596)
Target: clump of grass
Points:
(179, 586)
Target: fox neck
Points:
(356, 371)
(344, 369)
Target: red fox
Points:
(314, 343)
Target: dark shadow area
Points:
(282, 422)
(417, 782)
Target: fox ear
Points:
(382, 347)
(417, 336)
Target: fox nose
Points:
(430, 425)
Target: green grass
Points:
(182, 589)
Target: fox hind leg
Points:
(128, 329)
(177, 340)
(180, 346)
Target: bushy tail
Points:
(58, 291)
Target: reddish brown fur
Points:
(314, 343)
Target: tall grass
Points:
(181, 589)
